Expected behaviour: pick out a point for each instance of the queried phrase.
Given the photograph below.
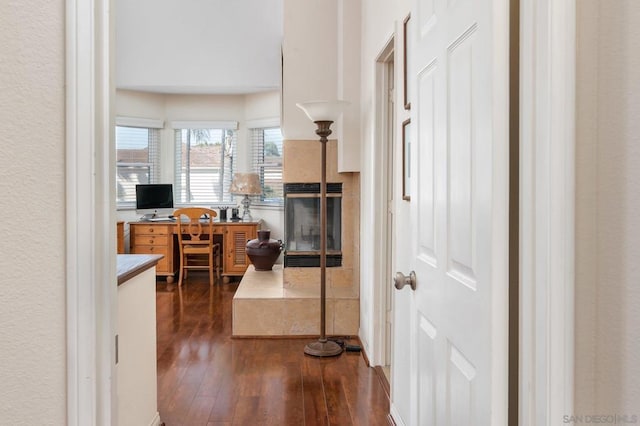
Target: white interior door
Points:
(452, 331)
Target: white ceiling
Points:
(198, 46)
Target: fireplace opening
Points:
(302, 229)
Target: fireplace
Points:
(302, 224)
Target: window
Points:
(137, 160)
(266, 159)
(204, 164)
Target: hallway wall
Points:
(607, 305)
(32, 183)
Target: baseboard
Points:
(383, 380)
(156, 420)
(390, 420)
(393, 416)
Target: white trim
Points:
(230, 125)
(382, 266)
(148, 123)
(395, 415)
(91, 288)
(547, 194)
(263, 123)
(156, 420)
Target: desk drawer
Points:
(150, 249)
(151, 240)
(152, 230)
(146, 249)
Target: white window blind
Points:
(204, 160)
(266, 160)
(137, 161)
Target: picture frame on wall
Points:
(406, 49)
(406, 160)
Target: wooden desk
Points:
(120, 236)
(161, 238)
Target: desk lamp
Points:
(323, 114)
(246, 184)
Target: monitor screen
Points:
(154, 196)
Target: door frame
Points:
(91, 290)
(383, 267)
(547, 210)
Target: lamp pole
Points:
(323, 114)
(323, 347)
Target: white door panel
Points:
(457, 317)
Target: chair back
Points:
(192, 227)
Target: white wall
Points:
(310, 47)
(607, 204)
(32, 182)
(321, 51)
(194, 46)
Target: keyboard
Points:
(161, 219)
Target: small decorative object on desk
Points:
(234, 215)
(223, 214)
(264, 251)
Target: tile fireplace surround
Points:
(285, 301)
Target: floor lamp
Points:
(323, 114)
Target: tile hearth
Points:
(265, 306)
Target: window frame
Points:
(154, 128)
(226, 199)
(258, 166)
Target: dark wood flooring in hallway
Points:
(207, 378)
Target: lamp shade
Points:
(323, 110)
(245, 184)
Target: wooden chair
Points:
(196, 243)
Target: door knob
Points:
(401, 280)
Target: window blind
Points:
(266, 160)
(204, 160)
(137, 161)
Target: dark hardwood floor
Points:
(207, 378)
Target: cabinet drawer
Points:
(145, 249)
(151, 240)
(151, 230)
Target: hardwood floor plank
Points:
(199, 411)
(315, 404)
(207, 378)
(212, 381)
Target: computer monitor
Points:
(154, 200)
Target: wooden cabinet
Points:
(160, 238)
(156, 238)
(235, 242)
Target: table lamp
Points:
(246, 184)
(323, 114)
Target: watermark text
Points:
(608, 419)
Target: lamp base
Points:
(246, 216)
(323, 348)
(246, 213)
